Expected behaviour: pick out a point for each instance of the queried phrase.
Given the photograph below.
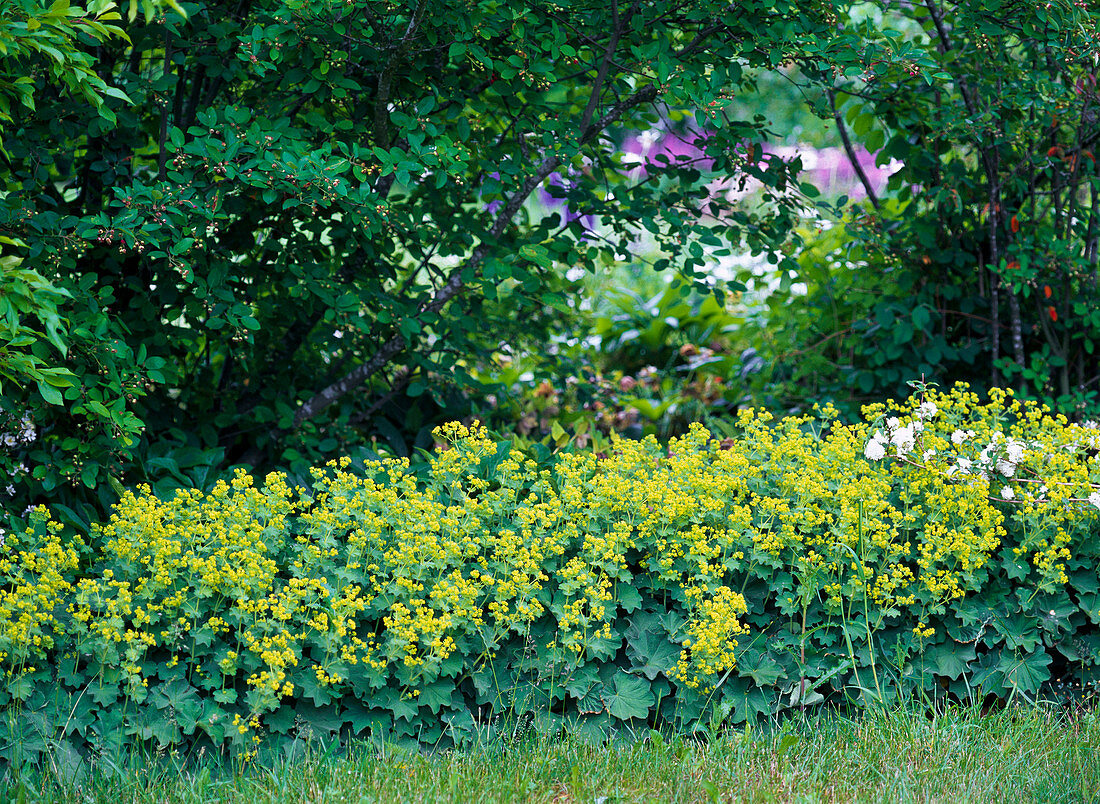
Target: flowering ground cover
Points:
(721, 578)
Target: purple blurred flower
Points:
(829, 169)
(555, 201)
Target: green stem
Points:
(866, 613)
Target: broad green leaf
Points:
(1025, 671)
(949, 659)
(650, 651)
(631, 697)
(50, 394)
(437, 695)
(760, 666)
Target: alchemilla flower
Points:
(399, 579)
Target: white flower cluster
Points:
(903, 438)
(21, 469)
(24, 434)
(960, 437)
(876, 447)
(1000, 456)
(927, 411)
(1005, 454)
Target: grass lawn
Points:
(1018, 755)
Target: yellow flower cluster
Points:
(708, 649)
(376, 577)
(37, 578)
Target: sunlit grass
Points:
(1020, 754)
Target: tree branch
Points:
(471, 267)
(385, 80)
(850, 151)
(605, 65)
(162, 136)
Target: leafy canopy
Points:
(289, 225)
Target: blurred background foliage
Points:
(269, 233)
(955, 237)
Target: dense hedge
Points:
(939, 546)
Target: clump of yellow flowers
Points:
(377, 585)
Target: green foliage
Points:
(49, 39)
(290, 227)
(638, 332)
(26, 294)
(651, 358)
(37, 41)
(980, 263)
(90, 386)
(685, 586)
(49, 47)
